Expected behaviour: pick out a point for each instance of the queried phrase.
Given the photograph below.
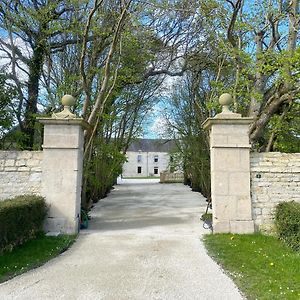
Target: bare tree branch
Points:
(230, 32)
(83, 54)
(101, 94)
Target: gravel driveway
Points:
(144, 242)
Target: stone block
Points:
(266, 211)
(54, 224)
(66, 137)
(61, 142)
(219, 139)
(220, 183)
(25, 154)
(61, 159)
(52, 182)
(257, 212)
(33, 162)
(259, 169)
(10, 163)
(61, 207)
(61, 225)
(8, 155)
(263, 184)
(37, 155)
(243, 208)
(244, 160)
(21, 162)
(230, 130)
(23, 169)
(221, 226)
(36, 169)
(10, 169)
(35, 177)
(242, 226)
(224, 159)
(266, 163)
(263, 199)
(224, 207)
(239, 183)
(238, 140)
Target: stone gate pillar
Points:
(62, 168)
(230, 170)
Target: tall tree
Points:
(30, 31)
(271, 29)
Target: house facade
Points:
(148, 157)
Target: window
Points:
(139, 170)
(139, 158)
(155, 158)
(155, 170)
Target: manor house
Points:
(148, 157)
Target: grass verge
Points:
(32, 254)
(261, 266)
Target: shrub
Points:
(287, 221)
(21, 219)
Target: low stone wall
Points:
(20, 173)
(275, 177)
(166, 177)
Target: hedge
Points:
(21, 219)
(287, 221)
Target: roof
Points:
(152, 145)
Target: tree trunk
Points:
(35, 70)
(257, 128)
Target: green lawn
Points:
(261, 266)
(32, 254)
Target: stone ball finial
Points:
(68, 100)
(225, 100)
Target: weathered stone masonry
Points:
(20, 173)
(245, 186)
(275, 177)
(55, 173)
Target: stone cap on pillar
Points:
(76, 121)
(226, 116)
(225, 100)
(65, 117)
(67, 101)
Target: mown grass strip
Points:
(261, 266)
(32, 254)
